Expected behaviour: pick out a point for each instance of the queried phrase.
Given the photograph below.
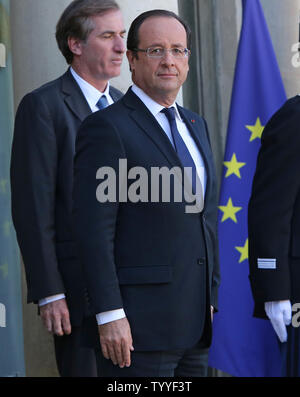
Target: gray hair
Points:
(76, 22)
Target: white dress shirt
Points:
(91, 94)
(155, 108)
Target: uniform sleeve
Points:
(274, 192)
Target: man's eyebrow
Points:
(112, 32)
(160, 45)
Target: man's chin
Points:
(115, 72)
(168, 87)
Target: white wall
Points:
(36, 58)
(131, 9)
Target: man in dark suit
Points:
(150, 260)
(90, 34)
(274, 230)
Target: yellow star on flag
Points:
(233, 167)
(229, 211)
(256, 130)
(243, 251)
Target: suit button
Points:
(201, 261)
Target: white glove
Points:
(280, 315)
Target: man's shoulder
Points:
(287, 115)
(194, 117)
(290, 107)
(293, 102)
(50, 85)
(112, 114)
(115, 92)
(47, 90)
(190, 113)
(115, 116)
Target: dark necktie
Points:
(102, 103)
(181, 149)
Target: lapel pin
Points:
(193, 121)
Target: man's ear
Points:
(131, 59)
(75, 45)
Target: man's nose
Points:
(167, 58)
(119, 45)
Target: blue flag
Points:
(11, 325)
(243, 345)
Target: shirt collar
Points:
(154, 107)
(91, 93)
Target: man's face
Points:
(160, 77)
(100, 57)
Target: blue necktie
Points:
(180, 147)
(102, 103)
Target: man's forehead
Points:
(159, 28)
(110, 20)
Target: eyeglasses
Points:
(159, 52)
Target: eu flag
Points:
(243, 345)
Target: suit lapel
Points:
(75, 100)
(149, 125)
(196, 128)
(115, 94)
(74, 97)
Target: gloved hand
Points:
(280, 315)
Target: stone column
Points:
(216, 26)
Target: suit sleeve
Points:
(97, 147)
(212, 226)
(274, 191)
(215, 280)
(33, 191)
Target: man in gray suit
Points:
(90, 35)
